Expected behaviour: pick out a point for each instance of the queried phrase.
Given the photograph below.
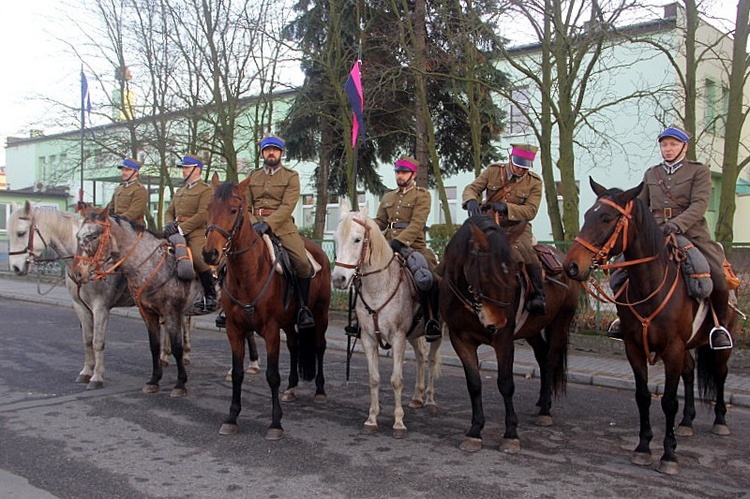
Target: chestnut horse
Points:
(256, 298)
(658, 317)
(482, 303)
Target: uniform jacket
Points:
(522, 195)
(690, 191)
(278, 192)
(189, 208)
(411, 207)
(130, 200)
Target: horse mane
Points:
(61, 224)
(500, 248)
(225, 191)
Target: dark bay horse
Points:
(481, 302)
(256, 298)
(108, 245)
(658, 317)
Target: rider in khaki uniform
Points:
(402, 215)
(130, 199)
(188, 214)
(678, 191)
(514, 193)
(271, 198)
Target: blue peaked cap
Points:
(675, 133)
(191, 160)
(129, 163)
(272, 142)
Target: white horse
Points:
(387, 306)
(33, 229)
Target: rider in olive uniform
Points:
(188, 214)
(272, 197)
(130, 199)
(678, 191)
(514, 192)
(402, 215)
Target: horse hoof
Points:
(253, 370)
(471, 444)
(510, 445)
(543, 420)
(683, 431)
(228, 377)
(537, 410)
(399, 433)
(416, 404)
(432, 408)
(668, 467)
(288, 396)
(274, 434)
(721, 429)
(642, 458)
(228, 429)
(178, 393)
(149, 388)
(369, 429)
(95, 385)
(320, 398)
(83, 378)
(163, 363)
(185, 361)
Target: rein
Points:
(474, 303)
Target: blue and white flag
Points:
(85, 101)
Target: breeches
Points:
(295, 246)
(524, 251)
(195, 243)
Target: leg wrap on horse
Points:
(536, 304)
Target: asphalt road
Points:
(117, 442)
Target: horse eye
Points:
(607, 218)
(21, 234)
(357, 240)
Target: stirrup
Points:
(352, 330)
(205, 305)
(221, 320)
(538, 308)
(614, 332)
(432, 331)
(726, 335)
(305, 319)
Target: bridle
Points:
(29, 249)
(229, 236)
(100, 257)
(474, 303)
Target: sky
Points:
(37, 64)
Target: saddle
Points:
(283, 260)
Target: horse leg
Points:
(397, 383)
(174, 328)
(320, 350)
(237, 344)
(154, 341)
(543, 406)
(642, 453)
(419, 346)
(100, 322)
(685, 429)
(254, 365)
(503, 344)
(273, 377)
(187, 324)
(292, 341)
(166, 347)
(371, 354)
(470, 361)
(673, 367)
(434, 360)
(713, 363)
(86, 318)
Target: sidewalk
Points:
(583, 368)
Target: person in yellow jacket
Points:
(188, 214)
(402, 216)
(514, 193)
(130, 199)
(272, 196)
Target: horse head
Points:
(226, 214)
(95, 245)
(608, 228)
(22, 244)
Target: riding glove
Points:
(472, 207)
(261, 228)
(501, 208)
(670, 228)
(170, 229)
(396, 245)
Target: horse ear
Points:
(27, 207)
(632, 193)
(244, 184)
(597, 188)
(343, 208)
(514, 231)
(104, 214)
(215, 180)
(479, 239)
(365, 209)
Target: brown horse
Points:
(256, 298)
(481, 301)
(658, 318)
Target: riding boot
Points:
(432, 331)
(221, 320)
(207, 303)
(719, 337)
(305, 319)
(536, 304)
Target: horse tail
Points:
(559, 362)
(307, 354)
(706, 360)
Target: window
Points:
(451, 193)
(520, 102)
(4, 214)
(308, 210)
(716, 105)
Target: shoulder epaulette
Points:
(535, 175)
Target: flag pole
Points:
(84, 92)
